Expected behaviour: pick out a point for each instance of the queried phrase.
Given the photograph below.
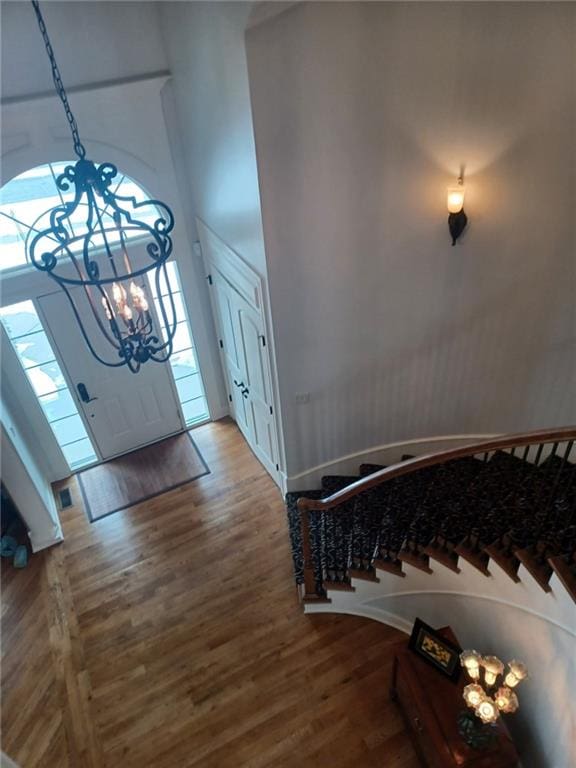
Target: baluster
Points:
(538, 454)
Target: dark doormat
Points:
(143, 474)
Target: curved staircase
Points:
(511, 500)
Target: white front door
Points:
(121, 410)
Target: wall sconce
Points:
(457, 219)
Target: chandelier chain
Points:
(58, 84)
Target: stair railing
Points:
(527, 440)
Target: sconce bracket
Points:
(457, 224)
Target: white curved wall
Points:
(493, 615)
(363, 113)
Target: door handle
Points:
(83, 392)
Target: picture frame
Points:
(435, 649)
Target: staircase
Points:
(511, 500)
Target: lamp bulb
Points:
(455, 199)
(487, 711)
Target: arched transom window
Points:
(26, 202)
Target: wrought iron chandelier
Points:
(84, 250)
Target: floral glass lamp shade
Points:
(492, 668)
(471, 661)
(516, 673)
(475, 725)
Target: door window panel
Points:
(45, 378)
(69, 430)
(183, 358)
(183, 363)
(195, 410)
(58, 405)
(189, 387)
(79, 454)
(34, 351)
(182, 338)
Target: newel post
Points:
(309, 577)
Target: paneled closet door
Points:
(232, 354)
(245, 358)
(259, 384)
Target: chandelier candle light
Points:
(479, 696)
(84, 251)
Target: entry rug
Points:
(141, 475)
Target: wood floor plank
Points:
(170, 635)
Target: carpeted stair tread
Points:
(539, 508)
(478, 514)
(404, 496)
(451, 482)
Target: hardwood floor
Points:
(169, 635)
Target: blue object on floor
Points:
(8, 546)
(21, 557)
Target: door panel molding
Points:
(237, 297)
(241, 278)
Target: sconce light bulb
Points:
(455, 199)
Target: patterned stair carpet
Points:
(459, 508)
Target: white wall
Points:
(205, 45)
(93, 41)
(27, 485)
(206, 52)
(363, 113)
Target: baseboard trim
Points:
(39, 545)
(388, 453)
(366, 612)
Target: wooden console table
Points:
(430, 703)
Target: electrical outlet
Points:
(302, 398)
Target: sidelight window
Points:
(183, 359)
(34, 351)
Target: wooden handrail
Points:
(538, 437)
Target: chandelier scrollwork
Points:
(85, 247)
